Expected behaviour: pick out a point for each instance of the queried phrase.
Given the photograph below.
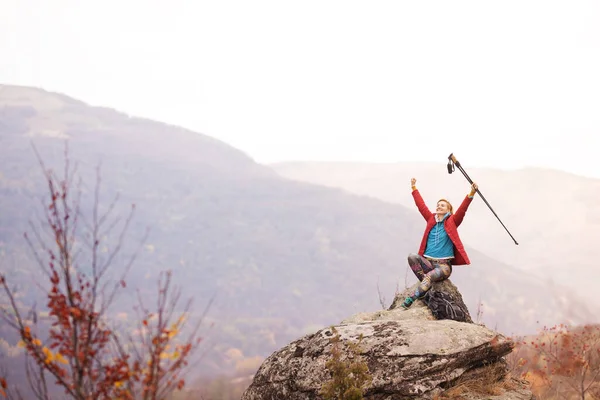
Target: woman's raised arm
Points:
(419, 200)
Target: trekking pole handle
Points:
(452, 158)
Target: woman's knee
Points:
(414, 258)
(440, 273)
(446, 270)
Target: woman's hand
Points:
(473, 189)
(412, 184)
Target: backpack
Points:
(443, 306)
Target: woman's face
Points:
(442, 208)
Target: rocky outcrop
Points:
(409, 353)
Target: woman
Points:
(441, 246)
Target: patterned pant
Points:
(427, 272)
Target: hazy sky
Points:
(505, 83)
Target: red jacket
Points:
(450, 224)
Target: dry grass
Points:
(490, 380)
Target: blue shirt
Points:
(439, 244)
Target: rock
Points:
(421, 309)
(418, 311)
(410, 354)
(443, 300)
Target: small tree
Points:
(562, 362)
(79, 351)
(349, 373)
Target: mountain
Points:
(552, 214)
(282, 257)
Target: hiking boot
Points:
(407, 303)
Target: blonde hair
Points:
(447, 202)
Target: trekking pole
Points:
(452, 161)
